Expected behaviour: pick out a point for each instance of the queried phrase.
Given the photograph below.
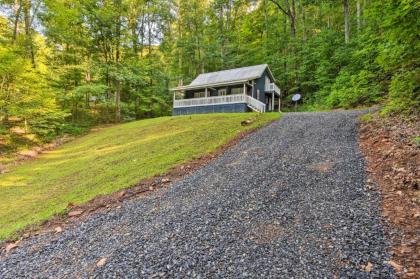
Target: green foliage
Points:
(73, 129)
(366, 117)
(404, 93)
(111, 61)
(109, 160)
(350, 91)
(416, 141)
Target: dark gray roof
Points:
(245, 73)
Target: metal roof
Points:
(228, 76)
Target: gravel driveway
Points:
(289, 201)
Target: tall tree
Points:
(346, 10)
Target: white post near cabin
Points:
(252, 92)
(244, 88)
(279, 99)
(206, 94)
(272, 100)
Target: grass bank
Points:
(108, 160)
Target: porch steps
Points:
(255, 104)
(253, 108)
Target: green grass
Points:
(416, 140)
(366, 117)
(108, 160)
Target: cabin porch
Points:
(243, 97)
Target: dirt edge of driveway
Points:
(393, 159)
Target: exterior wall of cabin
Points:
(189, 94)
(260, 84)
(239, 107)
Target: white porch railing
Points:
(220, 100)
(270, 87)
(255, 105)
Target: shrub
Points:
(351, 91)
(404, 95)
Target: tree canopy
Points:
(66, 64)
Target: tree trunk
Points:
(362, 9)
(117, 62)
(346, 21)
(88, 78)
(27, 19)
(285, 53)
(150, 50)
(134, 38)
(142, 34)
(292, 17)
(290, 12)
(137, 107)
(118, 102)
(358, 14)
(17, 10)
(303, 21)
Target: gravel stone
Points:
(288, 201)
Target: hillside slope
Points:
(108, 160)
(288, 201)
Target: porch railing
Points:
(270, 87)
(218, 100)
(255, 105)
(221, 100)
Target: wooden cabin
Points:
(244, 89)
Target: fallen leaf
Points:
(11, 246)
(368, 267)
(75, 213)
(58, 229)
(166, 180)
(121, 194)
(395, 265)
(101, 262)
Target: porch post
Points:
(206, 93)
(252, 93)
(272, 101)
(279, 99)
(244, 88)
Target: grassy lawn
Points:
(109, 160)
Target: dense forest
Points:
(66, 65)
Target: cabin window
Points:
(199, 94)
(222, 92)
(237, 90)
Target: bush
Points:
(74, 130)
(46, 126)
(351, 91)
(404, 95)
